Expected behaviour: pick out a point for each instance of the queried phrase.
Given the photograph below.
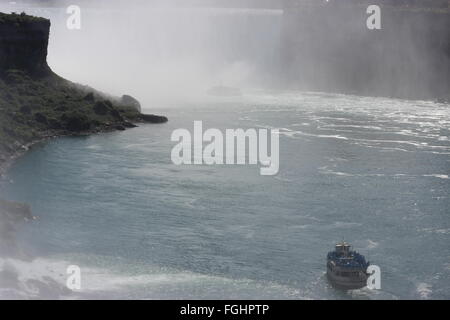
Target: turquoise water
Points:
(372, 171)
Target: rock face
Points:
(23, 43)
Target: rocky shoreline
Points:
(6, 161)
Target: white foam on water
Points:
(36, 279)
(440, 176)
(435, 230)
(325, 170)
(328, 136)
(372, 244)
(45, 278)
(424, 290)
(283, 179)
(342, 224)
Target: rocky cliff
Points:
(35, 103)
(23, 43)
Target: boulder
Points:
(127, 100)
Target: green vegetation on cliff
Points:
(33, 109)
(19, 19)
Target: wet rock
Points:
(151, 118)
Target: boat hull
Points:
(347, 283)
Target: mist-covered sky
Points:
(163, 55)
(166, 53)
(172, 52)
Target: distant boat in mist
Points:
(224, 91)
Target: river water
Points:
(372, 171)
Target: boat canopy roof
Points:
(343, 247)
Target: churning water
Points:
(373, 171)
